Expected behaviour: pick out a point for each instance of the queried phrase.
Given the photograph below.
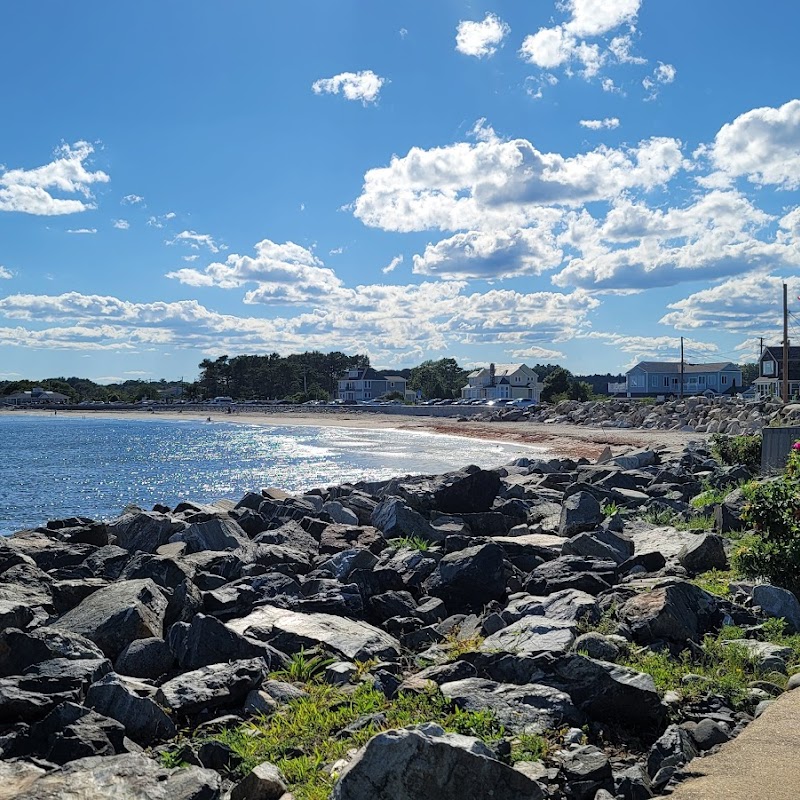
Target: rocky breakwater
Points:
(489, 629)
(728, 415)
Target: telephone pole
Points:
(785, 345)
(760, 346)
(681, 367)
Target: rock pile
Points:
(115, 636)
(699, 414)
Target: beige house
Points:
(503, 382)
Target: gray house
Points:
(369, 384)
(770, 372)
(653, 378)
(36, 397)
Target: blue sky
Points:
(581, 182)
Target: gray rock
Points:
(777, 602)
(602, 544)
(117, 615)
(673, 749)
(610, 693)
(767, 656)
(707, 552)
(144, 721)
(532, 708)
(288, 631)
(470, 577)
(206, 641)
(212, 686)
(708, 733)
(587, 771)
(420, 764)
(675, 612)
(20, 650)
(214, 535)
(122, 777)
(395, 518)
(143, 530)
(572, 572)
(595, 645)
(532, 636)
(14, 614)
(339, 514)
(569, 605)
(264, 782)
(145, 658)
(580, 512)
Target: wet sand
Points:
(570, 441)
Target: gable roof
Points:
(776, 352)
(395, 378)
(502, 370)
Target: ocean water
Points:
(61, 466)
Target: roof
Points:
(688, 369)
(395, 378)
(368, 374)
(501, 370)
(776, 351)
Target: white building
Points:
(503, 382)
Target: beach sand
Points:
(571, 441)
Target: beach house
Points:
(365, 383)
(654, 378)
(503, 382)
(770, 372)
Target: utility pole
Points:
(760, 346)
(785, 345)
(681, 367)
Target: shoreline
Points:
(553, 440)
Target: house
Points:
(503, 382)
(653, 378)
(36, 397)
(770, 372)
(366, 383)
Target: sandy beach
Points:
(556, 439)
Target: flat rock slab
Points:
(531, 636)
(291, 630)
(124, 777)
(665, 540)
(760, 763)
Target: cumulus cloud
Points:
(5, 274)
(364, 86)
(481, 39)
(31, 191)
(662, 74)
(748, 303)
(392, 265)
(493, 254)
(122, 224)
(503, 184)
(598, 124)
(537, 353)
(81, 230)
(196, 241)
(761, 145)
(132, 200)
(635, 247)
(642, 348)
(283, 273)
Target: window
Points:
(666, 381)
(367, 384)
(674, 381)
(768, 368)
(701, 379)
(724, 379)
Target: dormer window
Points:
(768, 367)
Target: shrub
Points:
(745, 450)
(773, 510)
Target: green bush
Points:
(745, 450)
(773, 511)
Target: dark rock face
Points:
(394, 518)
(580, 512)
(117, 615)
(469, 577)
(675, 612)
(418, 764)
(610, 693)
(467, 492)
(707, 552)
(20, 650)
(145, 658)
(143, 530)
(673, 749)
(572, 572)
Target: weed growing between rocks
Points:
(411, 542)
(730, 450)
(322, 726)
(303, 667)
(716, 581)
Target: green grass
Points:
(305, 735)
(709, 497)
(607, 624)
(716, 581)
(529, 747)
(609, 509)
(456, 647)
(412, 542)
(704, 522)
(723, 669)
(659, 516)
(303, 667)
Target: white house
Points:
(503, 382)
(36, 397)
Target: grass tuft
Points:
(411, 542)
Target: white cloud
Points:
(642, 348)
(637, 247)
(122, 224)
(596, 17)
(504, 184)
(535, 85)
(336, 251)
(665, 73)
(599, 124)
(364, 86)
(191, 258)
(5, 274)
(492, 254)
(31, 191)
(609, 86)
(392, 265)
(132, 200)
(535, 352)
(750, 303)
(620, 47)
(283, 273)
(403, 33)
(762, 145)
(196, 241)
(481, 39)
(81, 230)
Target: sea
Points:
(56, 466)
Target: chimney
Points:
(491, 374)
